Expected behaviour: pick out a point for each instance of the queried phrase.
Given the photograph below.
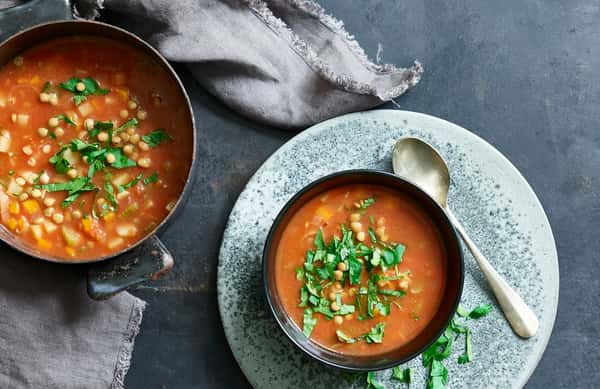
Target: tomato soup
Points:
(95, 146)
(361, 269)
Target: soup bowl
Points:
(440, 318)
(145, 258)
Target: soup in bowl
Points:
(362, 270)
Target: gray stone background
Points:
(524, 75)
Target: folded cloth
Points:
(53, 336)
(285, 63)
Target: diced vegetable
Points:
(121, 179)
(85, 109)
(114, 243)
(4, 141)
(71, 157)
(126, 230)
(49, 226)
(92, 228)
(4, 206)
(72, 238)
(31, 206)
(13, 207)
(37, 232)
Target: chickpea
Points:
(341, 266)
(80, 86)
(31, 162)
(337, 286)
(349, 316)
(131, 131)
(100, 201)
(36, 193)
(110, 158)
(27, 150)
(332, 296)
(76, 214)
(403, 284)
(355, 217)
(23, 196)
(88, 124)
(381, 221)
(144, 162)
(128, 149)
(338, 275)
(361, 236)
(53, 122)
(338, 320)
(48, 212)
(44, 178)
(132, 105)
(124, 114)
(59, 132)
(142, 115)
(44, 97)
(116, 139)
(143, 146)
(42, 131)
(103, 136)
(72, 173)
(356, 226)
(13, 117)
(135, 138)
(85, 158)
(18, 60)
(54, 99)
(46, 149)
(20, 181)
(49, 201)
(334, 307)
(82, 135)
(58, 218)
(380, 231)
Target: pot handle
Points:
(149, 261)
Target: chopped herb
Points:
(299, 270)
(371, 219)
(393, 293)
(156, 137)
(99, 127)
(11, 172)
(131, 183)
(480, 311)
(468, 355)
(151, 178)
(371, 383)
(376, 334)
(110, 193)
(47, 87)
(91, 88)
(372, 235)
(366, 203)
(461, 311)
(402, 375)
(130, 123)
(342, 337)
(309, 322)
(414, 316)
(74, 188)
(65, 119)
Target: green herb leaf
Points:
(481, 311)
(91, 88)
(468, 355)
(342, 337)
(47, 87)
(309, 322)
(402, 375)
(156, 137)
(393, 293)
(151, 179)
(461, 311)
(131, 183)
(371, 383)
(133, 122)
(366, 203)
(299, 270)
(376, 334)
(110, 193)
(65, 119)
(354, 270)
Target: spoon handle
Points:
(521, 318)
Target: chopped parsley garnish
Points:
(133, 122)
(156, 137)
(131, 183)
(480, 311)
(371, 383)
(91, 88)
(309, 322)
(366, 203)
(95, 154)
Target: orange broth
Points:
(394, 218)
(117, 211)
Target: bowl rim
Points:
(103, 30)
(308, 350)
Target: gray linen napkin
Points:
(53, 336)
(281, 62)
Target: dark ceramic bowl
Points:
(454, 281)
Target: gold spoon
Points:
(420, 163)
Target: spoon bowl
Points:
(420, 163)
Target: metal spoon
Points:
(420, 163)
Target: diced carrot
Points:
(93, 229)
(109, 217)
(123, 93)
(13, 207)
(31, 206)
(35, 80)
(324, 213)
(70, 251)
(12, 223)
(44, 244)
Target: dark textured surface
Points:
(523, 75)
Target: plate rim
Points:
(315, 129)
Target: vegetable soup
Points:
(361, 269)
(95, 146)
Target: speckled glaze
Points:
(488, 194)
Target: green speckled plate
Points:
(488, 194)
